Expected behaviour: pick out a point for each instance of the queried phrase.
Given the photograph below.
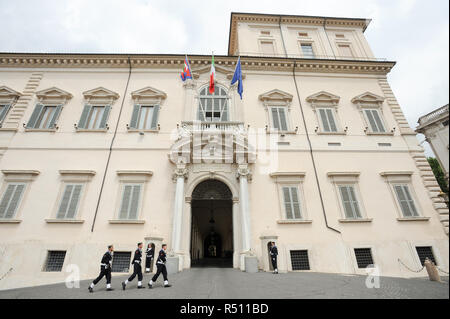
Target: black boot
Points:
(123, 285)
(109, 289)
(150, 286)
(90, 289)
(167, 286)
(141, 287)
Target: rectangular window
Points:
(44, 117)
(345, 50)
(349, 201)
(146, 117)
(425, 252)
(327, 119)
(11, 199)
(121, 261)
(279, 121)
(69, 202)
(374, 119)
(291, 202)
(267, 48)
(363, 257)
(307, 50)
(405, 200)
(130, 201)
(303, 34)
(94, 117)
(55, 260)
(299, 260)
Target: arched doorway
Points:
(212, 225)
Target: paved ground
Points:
(204, 283)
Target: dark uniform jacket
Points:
(150, 253)
(274, 251)
(106, 260)
(161, 257)
(137, 257)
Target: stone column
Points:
(236, 237)
(179, 177)
(189, 100)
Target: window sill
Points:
(64, 221)
(144, 131)
(294, 221)
(8, 129)
(413, 219)
(355, 220)
(123, 221)
(10, 221)
(331, 133)
(81, 130)
(380, 133)
(281, 132)
(51, 130)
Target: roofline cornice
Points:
(176, 61)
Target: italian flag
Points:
(212, 73)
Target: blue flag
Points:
(238, 77)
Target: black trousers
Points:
(160, 268)
(103, 272)
(148, 262)
(274, 263)
(137, 270)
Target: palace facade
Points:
(99, 149)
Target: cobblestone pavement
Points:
(227, 283)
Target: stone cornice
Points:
(176, 62)
(288, 19)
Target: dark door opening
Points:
(212, 226)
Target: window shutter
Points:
(134, 205)
(377, 117)
(11, 200)
(155, 117)
(355, 205)
(135, 116)
(84, 116)
(125, 202)
(105, 116)
(287, 202)
(55, 117)
(62, 211)
(275, 119)
(331, 120)
(372, 123)
(346, 201)
(4, 112)
(35, 116)
(74, 201)
(283, 122)
(412, 206)
(295, 202)
(406, 204)
(323, 118)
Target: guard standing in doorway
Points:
(273, 256)
(137, 270)
(149, 255)
(105, 270)
(161, 268)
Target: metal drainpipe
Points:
(111, 146)
(311, 151)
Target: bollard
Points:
(432, 270)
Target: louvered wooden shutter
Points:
(84, 116)
(4, 112)
(135, 116)
(323, 118)
(275, 119)
(283, 122)
(11, 199)
(130, 202)
(405, 200)
(105, 116)
(331, 120)
(69, 201)
(54, 119)
(155, 117)
(349, 201)
(32, 122)
(291, 203)
(126, 197)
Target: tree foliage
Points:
(438, 173)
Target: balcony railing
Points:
(212, 126)
(315, 57)
(432, 116)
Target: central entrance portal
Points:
(212, 225)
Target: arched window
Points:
(213, 107)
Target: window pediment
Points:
(276, 95)
(368, 98)
(8, 95)
(323, 97)
(148, 95)
(53, 95)
(100, 94)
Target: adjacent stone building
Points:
(114, 148)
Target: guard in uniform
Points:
(273, 256)
(105, 270)
(149, 255)
(161, 268)
(137, 269)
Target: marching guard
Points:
(105, 270)
(137, 269)
(149, 255)
(273, 255)
(161, 268)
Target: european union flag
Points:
(238, 77)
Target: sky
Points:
(415, 33)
